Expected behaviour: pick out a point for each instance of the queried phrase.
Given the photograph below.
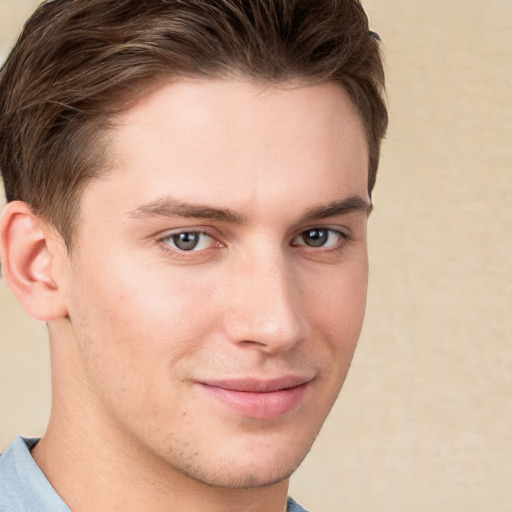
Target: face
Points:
(217, 288)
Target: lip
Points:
(259, 398)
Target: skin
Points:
(139, 327)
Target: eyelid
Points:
(343, 238)
(342, 232)
(163, 241)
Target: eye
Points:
(189, 241)
(319, 237)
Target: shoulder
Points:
(293, 506)
(10, 489)
(23, 487)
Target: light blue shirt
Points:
(24, 488)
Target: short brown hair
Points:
(79, 62)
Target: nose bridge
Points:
(265, 306)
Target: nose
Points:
(265, 307)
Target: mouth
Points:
(259, 398)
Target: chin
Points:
(250, 476)
(251, 468)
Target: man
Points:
(188, 186)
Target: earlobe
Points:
(28, 262)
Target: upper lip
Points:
(259, 385)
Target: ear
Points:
(28, 251)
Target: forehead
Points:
(239, 141)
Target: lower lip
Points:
(269, 405)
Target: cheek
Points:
(132, 326)
(136, 340)
(336, 309)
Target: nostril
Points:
(251, 343)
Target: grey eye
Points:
(319, 237)
(315, 237)
(186, 241)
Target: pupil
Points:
(186, 241)
(315, 237)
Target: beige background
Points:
(424, 422)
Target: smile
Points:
(259, 399)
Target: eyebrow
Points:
(171, 207)
(351, 204)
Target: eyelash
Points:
(342, 239)
(338, 245)
(164, 241)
